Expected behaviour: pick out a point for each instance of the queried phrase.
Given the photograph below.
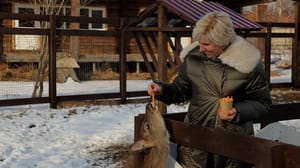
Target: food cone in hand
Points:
(226, 104)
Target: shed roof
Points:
(192, 11)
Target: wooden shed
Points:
(89, 49)
(25, 47)
(167, 24)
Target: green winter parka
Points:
(237, 72)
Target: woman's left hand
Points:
(229, 115)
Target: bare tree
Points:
(47, 7)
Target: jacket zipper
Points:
(221, 92)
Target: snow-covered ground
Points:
(37, 136)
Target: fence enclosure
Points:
(147, 45)
(260, 152)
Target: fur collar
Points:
(241, 54)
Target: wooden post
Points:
(268, 52)
(1, 39)
(162, 48)
(296, 49)
(261, 17)
(74, 40)
(52, 62)
(122, 60)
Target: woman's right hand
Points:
(154, 88)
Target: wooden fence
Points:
(260, 152)
(123, 33)
(52, 32)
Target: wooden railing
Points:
(118, 30)
(260, 152)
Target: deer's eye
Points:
(146, 126)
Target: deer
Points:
(151, 150)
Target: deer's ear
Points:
(141, 145)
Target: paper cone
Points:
(226, 104)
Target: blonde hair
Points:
(217, 26)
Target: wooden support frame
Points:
(162, 49)
(52, 62)
(138, 37)
(122, 61)
(296, 47)
(151, 52)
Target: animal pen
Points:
(262, 153)
(129, 32)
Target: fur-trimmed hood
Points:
(241, 54)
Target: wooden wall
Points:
(89, 45)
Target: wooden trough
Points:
(260, 152)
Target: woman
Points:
(218, 64)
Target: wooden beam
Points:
(162, 49)
(296, 47)
(147, 63)
(148, 45)
(74, 40)
(178, 47)
(267, 57)
(260, 152)
(52, 62)
(124, 40)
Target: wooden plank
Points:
(5, 30)
(74, 40)
(277, 24)
(282, 155)
(148, 65)
(124, 40)
(52, 62)
(78, 19)
(99, 96)
(15, 102)
(221, 142)
(262, 153)
(161, 50)
(292, 157)
(11, 16)
(137, 57)
(88, 32)
(165, 29)
(170, 58)
(153, 38)
(296, 47)
(113, 21)
(34, 57)
(151, 52)
(178, 47)
(268, 52)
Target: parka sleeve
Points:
(178, 91)
(257, 99)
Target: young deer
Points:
(152, 148)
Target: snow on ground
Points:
(42, 137)
(37, 136)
